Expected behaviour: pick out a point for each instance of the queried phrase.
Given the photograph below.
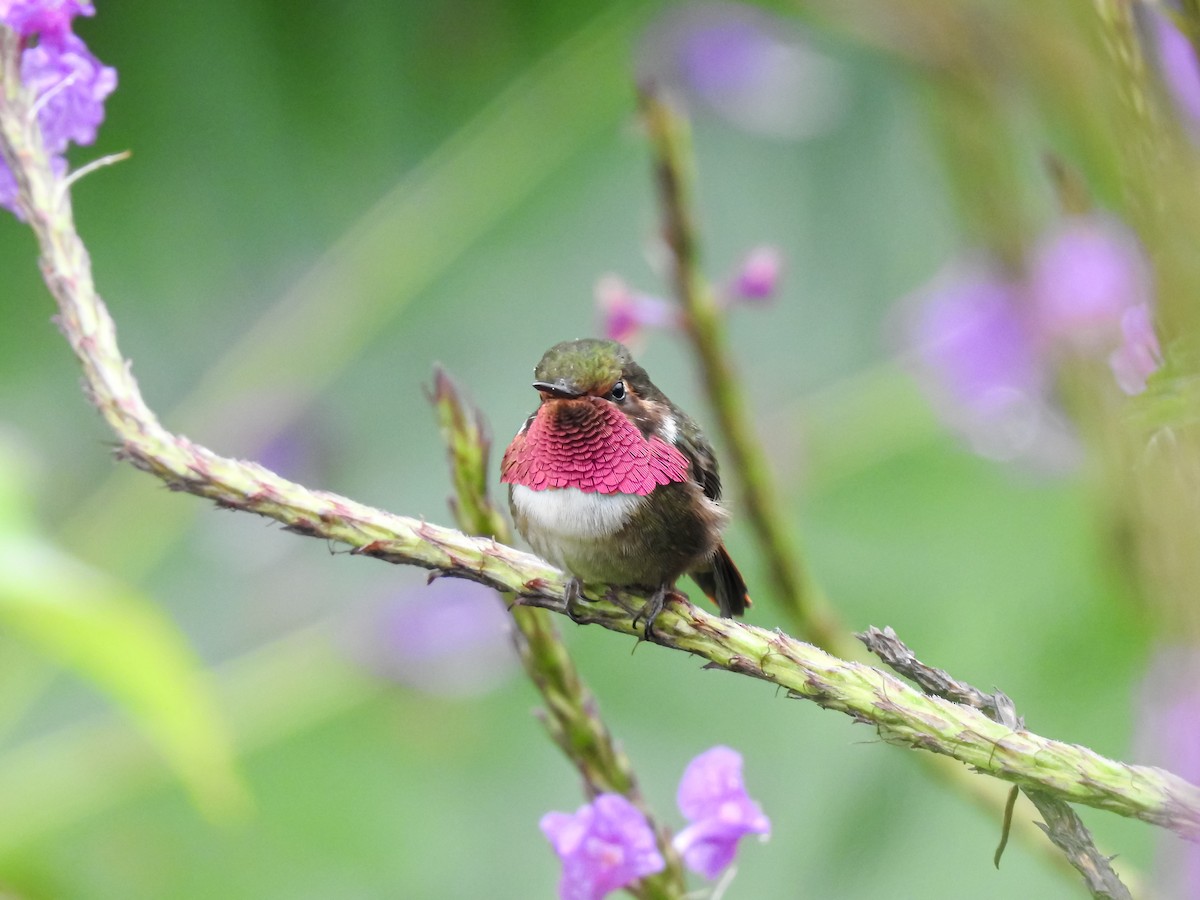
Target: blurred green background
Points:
(324, 200)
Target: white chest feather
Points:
(570, 512)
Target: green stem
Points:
(1064, 828)
(803, 601)
(571, 715)
(810, 613)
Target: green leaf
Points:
(112, 636)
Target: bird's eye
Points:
(618, 391)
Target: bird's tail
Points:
(724, 584)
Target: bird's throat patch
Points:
(589, 444)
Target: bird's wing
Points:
(702, 462)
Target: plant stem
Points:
(805, 604)
(1063, 826)
(792, 585)
(571, 714)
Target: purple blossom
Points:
(1090, 284)
(50, 19)
(68, 82)
(977, 346)
(449, 638)
(1082, 278)
(1139, 355)
(1178, 65)
(726, 49)
(713, 798)
(626, 312)
(606, 845)
(987, 374)
(758, 277)
(1168, 735)
(71, 85)
(8, 189)
(754, 69)
(986, 340)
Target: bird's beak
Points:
(556, 390)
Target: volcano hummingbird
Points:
(611, 481)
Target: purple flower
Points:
(1178, 65)
(1168, 735)
(726, 49)
(972, 333)
(1082, 278)
(51, 19)
(8, 189)
(1090, 285)
(71, 85)
(68, 82)
(1139, 355)
(758, 277)
(606, 845)
(983, 364)
(987, 341)
(713, 799)
(980, 361)
(625, 312)
(449, 638)
(754, 69)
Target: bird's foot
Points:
(649, 612)
(574, 597)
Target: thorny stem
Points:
(803, 600)
(899, 713)
(571, 715)
(1062, 825)
(793, 587)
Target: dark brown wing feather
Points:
(702, 461)
(723, 584)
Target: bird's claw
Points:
(649, 613)
(574, 597)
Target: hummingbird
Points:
(612, 482)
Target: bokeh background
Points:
(324, 200)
